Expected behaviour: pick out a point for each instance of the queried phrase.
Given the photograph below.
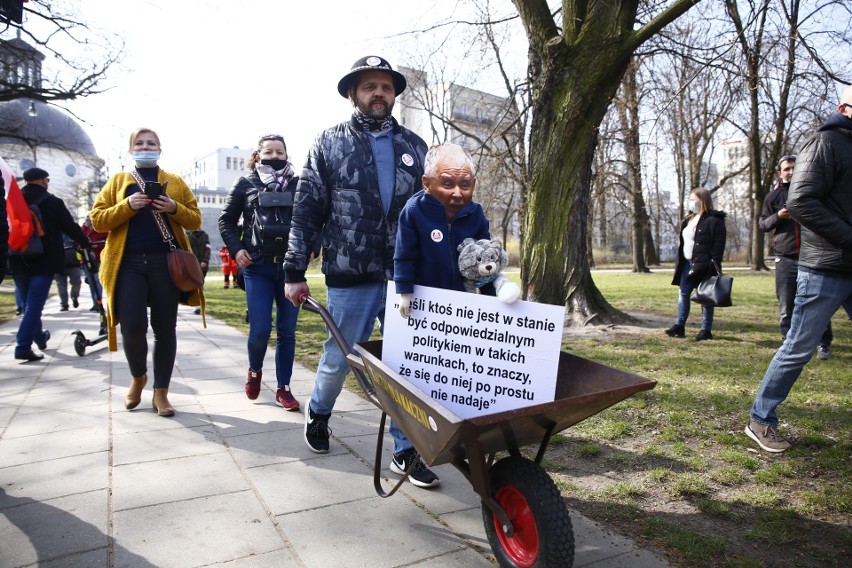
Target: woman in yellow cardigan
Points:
(134, 270)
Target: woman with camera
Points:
(263, 199)
(134, 269)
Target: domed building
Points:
(33, 133)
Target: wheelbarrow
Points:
(525, 518)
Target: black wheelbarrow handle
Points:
(359, 369)
(355, 362)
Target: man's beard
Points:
(376, 113)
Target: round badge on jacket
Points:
(437, 235)
(407, 159)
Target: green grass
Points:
(681, 475)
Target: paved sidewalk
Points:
(226, 482)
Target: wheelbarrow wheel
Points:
(542, 535)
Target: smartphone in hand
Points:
(153, 189)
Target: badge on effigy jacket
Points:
(407, 159)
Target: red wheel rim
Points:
(522, 547)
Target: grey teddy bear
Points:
(481, 263)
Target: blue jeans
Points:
(786, 274)
(818, 296)
(354, 310)
(683, 303)
(264, 283)
(34, 289)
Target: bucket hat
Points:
(371, 63)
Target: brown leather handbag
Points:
(183, 266)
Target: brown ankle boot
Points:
(161, 402)
(134, 395)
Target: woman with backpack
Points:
(263, 200)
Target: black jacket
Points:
(241, 203)
(338, 204)
(710, 236)
(57, 220)
(821, 197)
(786, 239)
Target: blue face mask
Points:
(693, 208)
(146, 159)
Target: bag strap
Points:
(165, 232)
(717, 267)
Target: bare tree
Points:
(79, 56)
(492, 127)
(778, 42)
(574, 70)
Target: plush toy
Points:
(481, 262)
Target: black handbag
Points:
(714, 290)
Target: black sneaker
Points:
(317, 431)
(421, 476)
(43, 343)
(75, 302)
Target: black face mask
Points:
(275, 164)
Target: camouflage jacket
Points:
(338, 203)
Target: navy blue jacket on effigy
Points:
(427, 244)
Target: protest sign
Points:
(473, 353)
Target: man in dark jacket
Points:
(821, 202)
(776, 217)
(34, 273)
(357, 178)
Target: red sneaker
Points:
(253, 383)
(285, 398)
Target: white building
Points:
(211, 176)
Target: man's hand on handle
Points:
(296, 292)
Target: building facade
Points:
(211, 176)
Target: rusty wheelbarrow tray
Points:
(525, 518)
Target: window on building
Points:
(242, 164)
(227, 163)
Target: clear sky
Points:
(208, 74)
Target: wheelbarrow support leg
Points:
(479, 480)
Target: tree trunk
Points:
(574, 73)
(566, 109)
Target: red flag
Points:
(17, 211)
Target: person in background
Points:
(702, 245)
(820, 201)
(72, 273)
(199, 241)
(34, 273)
(98, 241)
(261, 265)
(134, 265)
(776, 217)
(356, 180)
(229, 266)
